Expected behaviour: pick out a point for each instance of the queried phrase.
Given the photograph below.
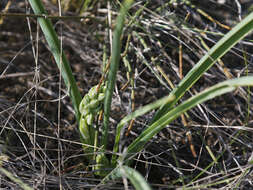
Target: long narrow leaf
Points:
(208, 94)
(223, 46)
(134, 176)
(133, 115)
(14, 179)
(59, 56)
(116, 50)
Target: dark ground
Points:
(40, 145)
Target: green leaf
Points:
(217, 90)
(134, 176)
(216, 52)
(14, 179)
(116, 50)
(59, 56)
(133, 115)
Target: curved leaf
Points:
(134, 176)
(59, 56)
(116, 50)
(171, 115)
(218, 50)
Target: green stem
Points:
(59, 56)
(116, 49)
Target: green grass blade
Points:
(84, 5)
(171, 115)
(59, 56)
(14, 179)
(133, 115)
(116, 50)
(134, 176)
(223, 46)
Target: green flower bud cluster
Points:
(89, 108)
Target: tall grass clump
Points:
(99, 98)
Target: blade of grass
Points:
(116, 49)
(14, 179)
(217, 90)
(84, 6)
(134, 176)
(216, 52)
(59, 56)
(133, 115)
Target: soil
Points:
(39, 137)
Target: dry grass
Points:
(39, 135)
